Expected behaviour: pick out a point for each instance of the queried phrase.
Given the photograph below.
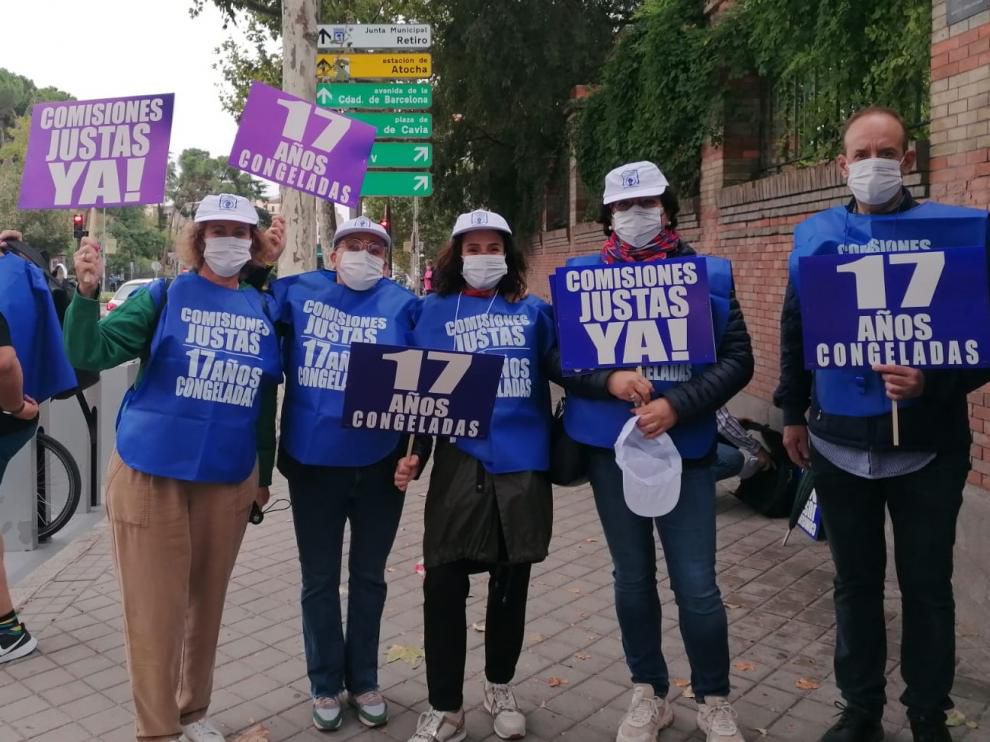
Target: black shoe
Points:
(854, 725)
(924, 730)
(16, 643)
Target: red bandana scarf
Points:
(660, 247)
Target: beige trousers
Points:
(174, 547)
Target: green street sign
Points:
(401, 154)
(397, 125)
(385, 183)
(374, 95)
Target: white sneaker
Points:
(200, 731)
(327, 716)
(500, 702)
(647, 715)
(440, 726)
(372, 710)
(717, 719)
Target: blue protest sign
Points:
(417, 390)
(810, 520)
(633, 314)
(924, 309)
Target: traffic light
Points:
(386, 221)
(78, 231)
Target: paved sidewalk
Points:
(572, 681)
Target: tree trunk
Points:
(328, 225)
(299, 78)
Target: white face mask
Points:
(484, 271)
(227, 255)
(359, 269)
(875, 181)
(637, 225)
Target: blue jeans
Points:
(729, 461)
(11, 443)
(687, 534)
(323, 499)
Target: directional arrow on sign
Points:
(323, 95)
(422, 153)
(397, 184)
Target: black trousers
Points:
(446, 589)
(923, 510)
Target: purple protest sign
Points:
(633, 314)
(292, 142)
(925, 309)
(106, 152)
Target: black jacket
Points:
(937, 422)
(731, 372)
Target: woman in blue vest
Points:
(640, 216)
(489, 506)
(185, 472)
(339, 475)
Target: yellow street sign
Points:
(344, 67)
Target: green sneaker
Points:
(327, 716)
(371, 708)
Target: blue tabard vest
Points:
(26, 304)
(599, 422)
(320, 320)
(523, 332)
(193, 414)
(860, 392)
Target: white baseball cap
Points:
(634, 180)
(226, 207)
(651, 471)
(480, 219)
(361, 224)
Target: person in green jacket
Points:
(184, 474)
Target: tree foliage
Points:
(138, 239)
(663, 89)
(199, 175)
(503, 75)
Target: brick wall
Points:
(752, 224)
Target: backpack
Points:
(772, 492)
(62, 291)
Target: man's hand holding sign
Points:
(894, 313)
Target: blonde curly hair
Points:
(191, 243)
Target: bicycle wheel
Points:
(59, 486)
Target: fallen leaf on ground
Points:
(681, 682)
(762, 732)
(575, 590)
(536, 638)
(556, 682)
(954, 718)
(257, 733)
(591, 540)
(479, 626)
(410, 655)
(732, 606)
(390, 569)
(582, 656)
(744, 666)
(688, 692)
(807, 684)
(972, 725)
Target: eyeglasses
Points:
(648, 202)
(373, 247)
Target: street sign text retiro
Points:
(375, 36)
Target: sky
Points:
(111, 48)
